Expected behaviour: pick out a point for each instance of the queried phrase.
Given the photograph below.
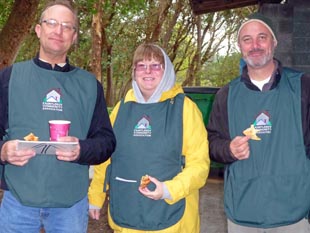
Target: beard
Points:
(260, 61)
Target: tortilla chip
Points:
(251, 132)
(31, 137)
(145, 180)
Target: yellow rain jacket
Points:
(186, 184)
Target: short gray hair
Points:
(65, 3)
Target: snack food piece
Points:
(251, 132)
(145, 180)
(31, 137)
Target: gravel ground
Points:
(212, 216)
(211, 211)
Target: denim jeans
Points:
(17, 218)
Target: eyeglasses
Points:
(153, 67)
(53, 23)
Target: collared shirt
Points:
(273, 82)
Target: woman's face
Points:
(148, 74)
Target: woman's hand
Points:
(94, 213)
(155, 194)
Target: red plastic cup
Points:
(59, 128)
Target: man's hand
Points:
(68, 155)
(10, 154)
(240, 148)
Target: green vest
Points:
(149, 141)
(37, 95)
(272, 187)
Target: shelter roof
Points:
(207, 6)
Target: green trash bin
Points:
(204, 97)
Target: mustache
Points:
(255, 50)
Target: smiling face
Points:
(148, 74)
(148, 68)
(56, 40)
(257, 45)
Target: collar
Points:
(273, 82)
(175, 90)
(45, 65)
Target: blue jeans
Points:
(17, 218)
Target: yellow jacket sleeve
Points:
(96, 194)
(196, 152)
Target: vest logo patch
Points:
(53, 101)
(262, 123)
(143, 127)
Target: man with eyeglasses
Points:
(42, 190)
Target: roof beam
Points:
(207, 6)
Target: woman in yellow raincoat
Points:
(160, 132)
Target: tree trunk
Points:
(16, 29)
(97, 42)
(160, 17)
(109, 86)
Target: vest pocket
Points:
(124, 201)
(130, 209)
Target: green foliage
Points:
(29, 47)
(128, 23)
(121, 31)
(222, 70)
(109, 109)
(6, 7)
